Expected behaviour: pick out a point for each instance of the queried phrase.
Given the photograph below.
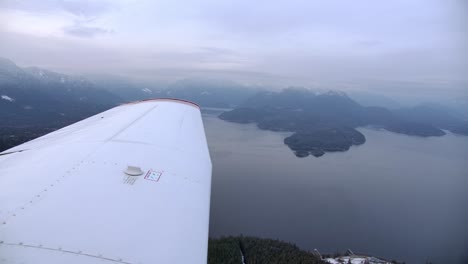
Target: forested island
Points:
(327, 122)
(317, 142)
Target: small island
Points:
(319, 141)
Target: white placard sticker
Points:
(153, 175)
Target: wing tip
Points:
(182, 101)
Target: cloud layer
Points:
(304, 42)
(79, 30)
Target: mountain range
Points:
(205, 92)
(34, 96)
(35, 101)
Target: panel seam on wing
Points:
(61, 250)
(39, 196)
(131, 123)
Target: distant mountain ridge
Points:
(210, 93)
(33, 99)
(34, 96)
(205, 92)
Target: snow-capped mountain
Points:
(32, 95)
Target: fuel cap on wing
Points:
(133, 171)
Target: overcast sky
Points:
(286, 42)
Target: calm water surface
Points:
(396, 196)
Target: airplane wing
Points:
(130, 185)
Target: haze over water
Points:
(396, 196)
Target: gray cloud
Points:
(86, 8)
(217, 51)
(368, 43)
(83, 8)
(83, 31)
(287, 42)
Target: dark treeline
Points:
(257, 251)
(13, 136)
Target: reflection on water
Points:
(396, 196)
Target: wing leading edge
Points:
(65, 197)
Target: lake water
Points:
(396, 196)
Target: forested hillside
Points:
(229, 250)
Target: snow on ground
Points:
(146, 90)
(355, 260)
(8, 98)
(243, 258)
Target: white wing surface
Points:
(65, 197)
